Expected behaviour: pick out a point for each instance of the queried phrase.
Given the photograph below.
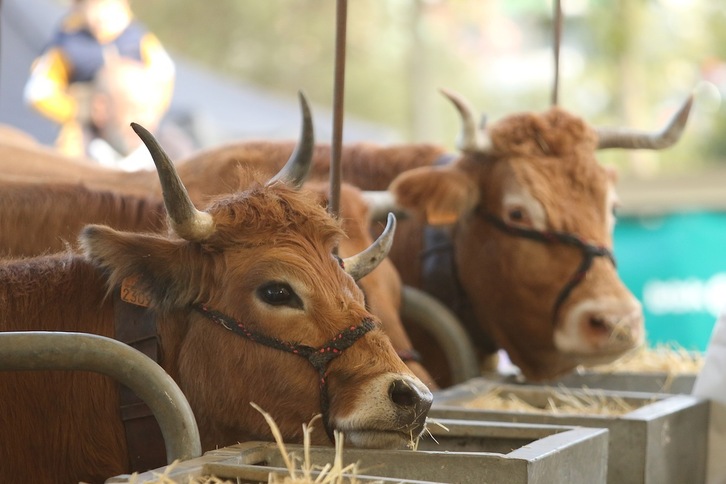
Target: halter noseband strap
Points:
(589, 252)
(319, 357)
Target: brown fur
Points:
(223, 170)
(551, 154)
(513, 282)
(55, 428)
(45, 218)
(63, 427)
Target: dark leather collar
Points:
(136, 326)
(440, 279)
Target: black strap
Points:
(440, 278)
(318, 357)
(136, 326)
(589, 252)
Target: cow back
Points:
(61, 420)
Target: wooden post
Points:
(557, 32)
(338, 97)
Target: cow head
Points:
(252, 305)
(532, 216)
(383, 286)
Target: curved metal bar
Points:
(44, 350)
(437, 319)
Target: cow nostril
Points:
(599, 324)
(403, 394)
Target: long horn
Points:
(360, 265)
(186, 221)
(298, 165)
(472, 138)
(668, 136)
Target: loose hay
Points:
(413, 441)
(300, 470)
(670, 359)
(562, 401)
(305, 474)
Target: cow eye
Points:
(518, 216)
(279, 294)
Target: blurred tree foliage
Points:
(624, 62)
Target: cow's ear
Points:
(153, 260)
(441, 195)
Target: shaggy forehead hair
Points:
(553, 133)
(268, 213)
(553, 154)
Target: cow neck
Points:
(440, 278)
(135, 325)
(589, 252)
(319, 357)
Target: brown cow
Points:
(523, 252)
(505, 306)
(38, 219)
(258, 264)
(52, 214)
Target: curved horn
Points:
(472, 139)
(360, 265)
(186, 221)
(668, 136)
(298, 165)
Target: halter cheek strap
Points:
(319, 357)
(589, 252)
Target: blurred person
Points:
(126, 91)
(61, 78)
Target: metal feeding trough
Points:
(457, 451)
(662, 440)
(631, 382)
(649, 382)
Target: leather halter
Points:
(440, 278)
(589, 252)
(136, 326)
(319, 357)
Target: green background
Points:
(675, 265)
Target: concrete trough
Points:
(662, 441)
(462, 452)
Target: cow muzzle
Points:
(391, 413)
(413, 401)
(599, 331)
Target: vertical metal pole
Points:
(338, 96)
(557, 32)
